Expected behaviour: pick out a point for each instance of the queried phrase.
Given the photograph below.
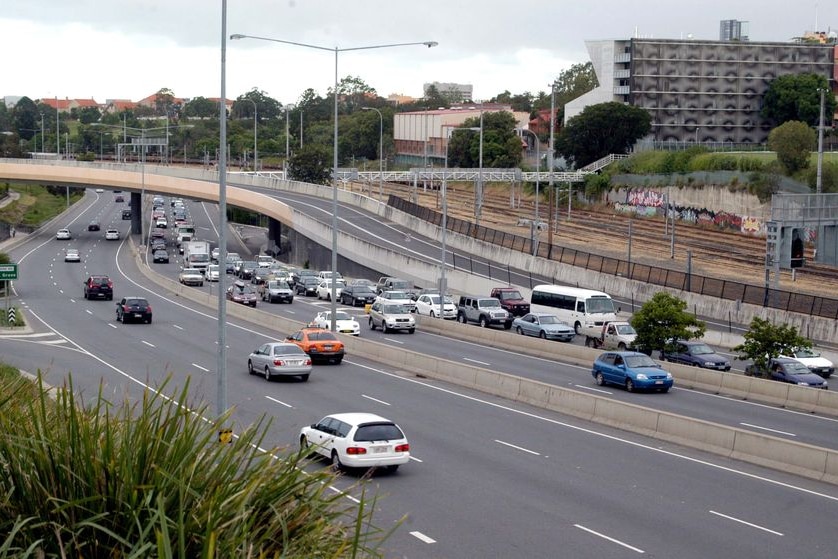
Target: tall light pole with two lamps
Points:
(380, 151)
(255, 151)
(536, 219)
(336, 50)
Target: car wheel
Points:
(201, 284)
(542, 335)
(250, 367)
(600, 380)
(519, 330)
(384, 326)
(148, 321)
(267, 373)
(578, 328)
(432, 315)
(304, 378)
(338, 360)
(336, 463)
(629, 385)
(621, 346)
(483, 323)
(305, 447)
(391, 469)
(372, 324)
(412, 330)
(507, 325)
(665, 390)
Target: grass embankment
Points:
(36, 204)
(148, 478)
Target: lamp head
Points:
(235, 36)
(430, 44)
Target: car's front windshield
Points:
(639, 361)
(490, 303)
(549, 319)
(397, 295)
(797, 368)
(701, 349)
(626, 330)
(597, 305)
(806, 353)
(510, 295)
(393, 309)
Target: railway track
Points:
(717, 253)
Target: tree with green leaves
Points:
(796, 97)
(574, 82)
(312, 163)
(25, 118)
(765, 341)
(793, 141)
(662, 320)
(600, 130)
(201, 107)
(501, 146)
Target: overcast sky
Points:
(121, 49)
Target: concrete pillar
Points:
(136, 214)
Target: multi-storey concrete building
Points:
(699, 91)
(455, 92)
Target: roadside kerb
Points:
(805, 460)
(717, 382)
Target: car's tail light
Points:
(110, 284)
(402, 447)
(149, 308)
(279, 362)
(308, 362)
(356, 450)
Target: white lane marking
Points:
(767, 429)
(374, 399)
(592, 389)
(613, 540)
(516, 447)
(112, 325)
(61, 291)
(36, 335)
(290, 312)
(72, 300)
(415, 459)
(757, 404)
(394, 341)
(54, 342)
(176, 326)
(476, 361)
(199, 367)
(148, 343)
(606, 436)
(279, 402)
(422, 537)
(88, 311)
(746, 523)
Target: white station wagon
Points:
(357, 440)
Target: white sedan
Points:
(357, 440)
(428, 305)
(112, 235)
(191, 276)
(63, 235)
(213, 272)
(344, 322)
(72, 255)
(324, 289)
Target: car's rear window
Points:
(378, 432)
(136, 302)
(287, 349)
(321, 336)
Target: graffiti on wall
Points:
(650, 203)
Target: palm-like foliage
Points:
(149, 479)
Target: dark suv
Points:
(131, 309)
(98, 287)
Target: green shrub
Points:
(150, 479)
(763, 185)
(596, 184)
(829, 177)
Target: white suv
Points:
(391, 316)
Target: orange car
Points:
(320, 344)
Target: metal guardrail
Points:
(812, 305)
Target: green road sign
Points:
(8, 271)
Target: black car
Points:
(126, 214)
(697, 354)
(98, 287)
(357, 295)
(247, 268)
(161, 255)
(93, 226)
(131, 309)
(306, 285)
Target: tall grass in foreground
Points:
(99, 480)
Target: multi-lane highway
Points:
(490, 478)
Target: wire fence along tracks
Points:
(813, 305)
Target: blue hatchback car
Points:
(635, 371)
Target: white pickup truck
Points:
(614, 335)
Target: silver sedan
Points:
(546, 326)
(279, 359)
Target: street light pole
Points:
(336, 50)
(381, 152)
(552, 152)
(221, 363)
(478, 206)
(537, 190)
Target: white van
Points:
(584, 309)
